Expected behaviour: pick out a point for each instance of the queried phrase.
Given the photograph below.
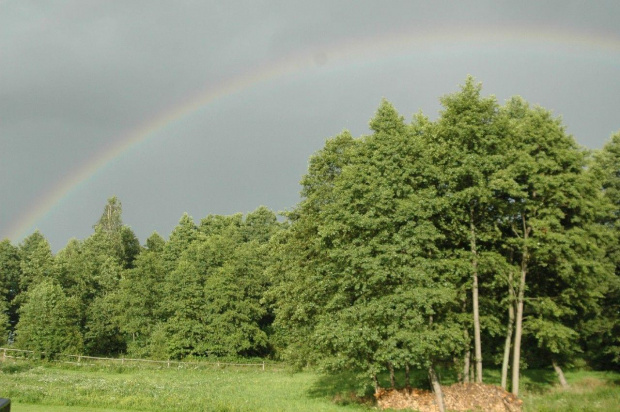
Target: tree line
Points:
(485, 237)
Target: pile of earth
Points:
(458, 397)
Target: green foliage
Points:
(601, 333)
(10, 270)
(48, 321)
(4, 321)
(139, 297)
(375, 266)
(552, 225)
(102, 334)
(155, 243)
(36, 261)
(212, 298)
(10, 274)
(363, 286)
(180, 240)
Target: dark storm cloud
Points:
(77, 77)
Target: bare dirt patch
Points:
(458, 397)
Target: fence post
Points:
(263, 365)
(122, 361)
(4, 356)
(79, 359)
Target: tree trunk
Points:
(516, 355)
(437, 389)
(511, 321)
(466, 366)
(474, 264)
(407, 381)
(375, 382)
(558, 371)
(392, 378)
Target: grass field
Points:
(52, 387)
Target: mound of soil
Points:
(458, 397)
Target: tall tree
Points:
(111, 221)
(36, 261)
(180, 239)
(365, 262)
(4, 320)
(301, 288)
(551, 208)
(471, 135)
(139, 298)
(120, 239)
(10, 274)
(260, 225)
(155, 243)
(48, 321)
(600, 334)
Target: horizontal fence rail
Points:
(10, 353)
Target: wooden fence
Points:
(20, 354)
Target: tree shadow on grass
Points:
(348, 387)
(538, 380)
(337, 385)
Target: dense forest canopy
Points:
(487, 237)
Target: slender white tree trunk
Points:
(436, 389)
(509, 329)
(516, 355)
(477, 339)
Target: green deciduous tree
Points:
(600, 334)
(48, 321)
(212, 301)
(4, 321)
(155, 243)
(551, 228)
(140, 295)
(364, 285)
(10, 274)
(471, 137)
(180, 240)
(36, 261)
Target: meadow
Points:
(38, 387)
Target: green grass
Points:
(589, 391)
(117, 388)
(21, 407)
(38, 387)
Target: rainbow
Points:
(345, 53)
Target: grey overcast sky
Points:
(219, 104)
